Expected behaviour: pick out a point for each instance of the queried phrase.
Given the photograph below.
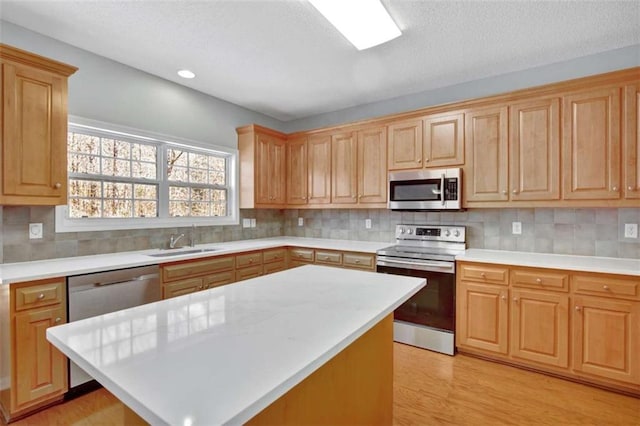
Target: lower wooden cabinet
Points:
(482, 321)
(585, 326)
(606, 338)
(35, 370)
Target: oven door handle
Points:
(442, 191)
(448, 267)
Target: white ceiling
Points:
(282, 58)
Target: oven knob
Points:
(447, 233)
(456, 233)
(409, 231)
(402, 230)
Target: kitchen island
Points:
(310, 344)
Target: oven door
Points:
(432, 306)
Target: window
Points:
(124, 180)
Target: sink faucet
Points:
(173, 241)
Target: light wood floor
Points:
(435, 389)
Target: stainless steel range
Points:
(427, 320)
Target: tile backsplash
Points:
(598, 232)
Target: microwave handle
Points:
(442, 191)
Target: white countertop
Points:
(222, 355)
(608, 265)
(27, 271)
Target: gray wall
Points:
(109, 91)
(612, 60)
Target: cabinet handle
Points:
(419, 160)
(41, 296)
(426, 160)
(615, 188)
(360, 196)
(326, 258)
(503, 297)
(57, 320)
(605, 287)
(58, 185)
(515, 299)
(250, 260)
(538, 280)
(630, 188)
(578, 308)
(504, 192)
(357, 260)
(483, 275)
(515, 191)
(304, 198)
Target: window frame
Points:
(65, 224)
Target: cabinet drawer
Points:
(273, 255)
(542, 279)
(46, 293)
(176, 271)
(180, 288)
(249, 259)
(270, 268)
(484, 274)
(222, 278)
(328, 257)
(607, 285)
(302, 255)
(359, 260)
(250, 272)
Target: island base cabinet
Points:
(606, 338)
(353, 388)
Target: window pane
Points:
(219, 195)
(85, 188)
(143, 152)
(144, 170)
(198, 176)
(199, 209)
(198, 160)
(217, 178)
(145, 192)
(112, 167)
(178, 208)
(176, 158)
(117, 190)
(117, 208)
(178, 174)
(145, 209)
(84, 164)
(199, 194)
(80, 207)
(178, 193)
(217, 163)
(83, 143)
(116, 149)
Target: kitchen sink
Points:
(169, 253)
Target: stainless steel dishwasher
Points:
(104, 292)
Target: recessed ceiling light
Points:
(365, 23)
(186, 74)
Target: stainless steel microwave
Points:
(428, 189)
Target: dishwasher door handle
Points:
(128, 280)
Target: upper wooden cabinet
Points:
(344, 163)
(319, 169)
(262, 167)
(591, 144)
(34, 128)
(372, 161)
(486, 155)
(433, 141)
(297, 171)
(631, 141)
(534, 144)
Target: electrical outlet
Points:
(253, 223)
(246, 223)
(367, 223)
(300, 221)
(35, 231)
(516, 228)
(631, 230)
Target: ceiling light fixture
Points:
(365, 23)
(186, 74)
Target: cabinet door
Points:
(34, 135)
(180, 288)
(297, 171)
(540, 327)
(277, 171)
(344, 165)
(444, 140)
(606, 338)
(591, 145)
(372, 165)
(631, 154)
(534, 141)
(486, 155)
(263, 145)
(482, 321)
(405, 145)
(40, 369)
(319, 169)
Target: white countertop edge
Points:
(68, 266)
(606, 265)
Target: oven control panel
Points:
(431, 233)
